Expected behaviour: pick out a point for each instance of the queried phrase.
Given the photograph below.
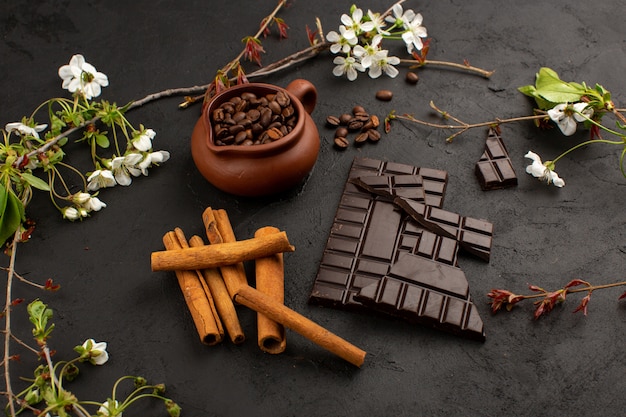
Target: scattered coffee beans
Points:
(384, 95)
(251, 120)
(359, 122)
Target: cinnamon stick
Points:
(213, 256)
(270, 280)
(223, 301)
(219, 230)
(262, 303)
(198, 299)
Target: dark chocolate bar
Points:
(426, 292)
(368, 234)
(494, 169)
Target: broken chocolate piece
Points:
(434, 181)
(426, 292)
(495, 170)
(391, 186)
(475, 236)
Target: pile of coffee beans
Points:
(359, 123)
(252, 120)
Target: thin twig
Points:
(7, 325)
(464, 67)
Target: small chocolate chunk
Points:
(495, 170)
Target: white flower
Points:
(354, 24)
(365, 53)
(153, 158)
(348, 66)
(340, 42)
(382, 63)
(94, 204)
(81, 198)
(414, 32)
(101, 178)
(106, 409)
(25, 130)
(125, 166)
(378, 22)
(539, 170)
(400, 17)
(80, 76)
(96, 351)
(143, 141)
(70, 213)
(567, 119)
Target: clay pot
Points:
(258, 170)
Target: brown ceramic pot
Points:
(258, 170)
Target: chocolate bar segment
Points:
(425, 292)
(475, 236)
(390, 186)
(494, 169)
(434, 181)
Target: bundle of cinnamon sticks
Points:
(213, 281)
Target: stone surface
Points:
(563, 364)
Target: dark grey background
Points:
(564, 364)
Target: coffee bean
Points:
(355, 125)
(333, 121)
(358, 109)
(412, 77)
(283, 99)
(361, 137)
(266, 117)
(375, 121)
(275, 107)
(248, 96)
(341, 142)
(373, 135)
(253, 115)
(274, 133)
(345, 118)
(341, 132)
(241, 137)
(384, 95)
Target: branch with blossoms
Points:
(358, 43)
(566, 104)
(46, 393)
(547, 300)
(32, 162)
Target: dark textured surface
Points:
(564, 364)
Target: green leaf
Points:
(11, 213)
(39, 314)
(551, 88)
(102, 141)
(36, 181)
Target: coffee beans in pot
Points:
(249, 119)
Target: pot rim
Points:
(253, 150)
